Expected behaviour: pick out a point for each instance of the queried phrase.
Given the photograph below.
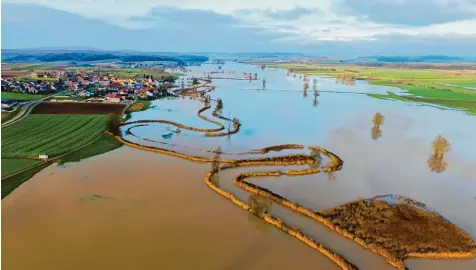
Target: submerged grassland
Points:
(448, 88)
(374, 226)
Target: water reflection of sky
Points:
(396, 163)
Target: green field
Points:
(51, 134)
(13, 165)
(11, 183)
(21, 96)
(23, 79)
(27, 66)
(145, 104)
(440, 87)
(9, 115)
(176, 74)
(103, 145)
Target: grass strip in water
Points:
(464, 249)
(11, 183)
(467, 105)
(13, 165)
(103, 145)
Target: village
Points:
(85, 86)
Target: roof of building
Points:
(113, 95)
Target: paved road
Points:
(24, 111)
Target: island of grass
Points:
(140, 105)
(448, 88)
(398, 228)
(63, 137)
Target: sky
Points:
(321, 27)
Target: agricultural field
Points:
(50, 134)
(28, 66)
(449, 88)
(12, 182)
(77, 108)
(20, 96)
(9, 115)
(13, 165)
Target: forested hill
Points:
(38, 56)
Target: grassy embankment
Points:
(440, 87)
(68, 138)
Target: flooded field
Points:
(146, 211)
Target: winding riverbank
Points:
(287, 160)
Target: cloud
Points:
(409, 12)
(253, 25)
(179, 30)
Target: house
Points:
(43, 156)
(122, 80)
(115, 98)
(104, 83)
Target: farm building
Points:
(115, 98)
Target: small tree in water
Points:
(114, 123)
(219, 104)
(263, 83)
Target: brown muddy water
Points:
(130, 209)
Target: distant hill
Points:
(424, 59)
(55, 55)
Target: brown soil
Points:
(403, 230)
(77, 108)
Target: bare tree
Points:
(216, 166)
(315, 102)
(259, 205)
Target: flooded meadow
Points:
(133, 209)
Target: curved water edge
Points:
(254, 189)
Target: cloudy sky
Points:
(325, 27)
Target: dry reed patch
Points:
(401, 229)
